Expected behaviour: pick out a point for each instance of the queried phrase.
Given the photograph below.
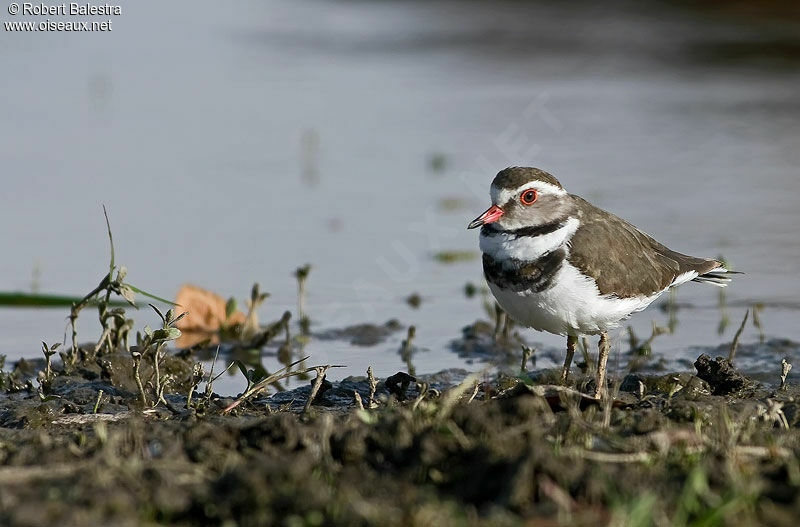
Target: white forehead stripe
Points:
(500, 196)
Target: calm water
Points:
(231, 145)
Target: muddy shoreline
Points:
(444, 449)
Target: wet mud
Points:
(711, 447)
(362, 334)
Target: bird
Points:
(556, 263)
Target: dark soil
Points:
(445, 449)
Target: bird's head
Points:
(523, 197)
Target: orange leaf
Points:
(206, 310)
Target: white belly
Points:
(573, 305)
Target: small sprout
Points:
(358, 401)
(154, 345)
(252, 376)
(373, 386)
(256, 296)
(97, 402)
(137, 361)
(48, 354)
(406, 349)
(210, 383)
(527, 353)
(414, 300)
(301, 273)
(250, 326)
(407, 343)
(786, 367)
(675, 388)
(644, 348)
(162, 383)
(470, 290)
(197, 377)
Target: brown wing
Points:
(624, 260)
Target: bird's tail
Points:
(719, 276)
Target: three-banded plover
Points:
(557, 263)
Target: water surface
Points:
(232, 144)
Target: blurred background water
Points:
(232, 143)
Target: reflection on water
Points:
(234, 145)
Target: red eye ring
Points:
(529, 197)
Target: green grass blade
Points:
(111, 242)
(17, 299)
(154, 297)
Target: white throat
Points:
(501, 246)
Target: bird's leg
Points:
(604, 347)
(572, 343)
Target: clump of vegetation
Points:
(152, 347)
(116, 328)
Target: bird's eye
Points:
(529, 197)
